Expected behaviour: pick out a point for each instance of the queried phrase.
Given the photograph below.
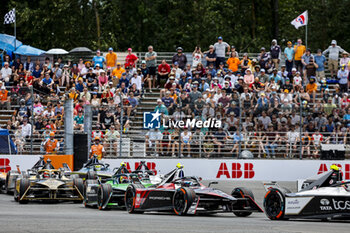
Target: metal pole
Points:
(300, 127)
(15, 30)
(68, 127)
(121, 125)
(88, 124)
(306, 35)
(240, 128)
(32, 119)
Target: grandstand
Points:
(255, 139)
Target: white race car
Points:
(325, 196)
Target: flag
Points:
(10, 17)
(301, 20)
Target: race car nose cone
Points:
(52, 183)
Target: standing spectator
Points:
(97, 149)
(131, 59)
(311, 68)
(263, 58)
(29, 65)
(210, 56)
(151, 63)
(26, 128)
(320, 60)
(305, 59)
(197, 56)
(275, 53)
(233, 62)
(51, 145)
(289, 54)
(333, 57)
(163, 72)
(220, 48)
(299, 50)
(4, 98)
(180, 58)
(345, 60)
(343, 75)
(98, 59)
(111, 58)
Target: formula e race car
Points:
(324, 196)
(186, 195)
(93, 168)
(11, 177)
(110, 193)
(49, 184)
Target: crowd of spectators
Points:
(276, 97)
(268, 92)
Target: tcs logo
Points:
(236, 171)
(4, 165)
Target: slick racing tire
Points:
(79, 184)
(23, 186)
(274, 204)
(103, 193)
(241, 192)
(86, 185)
(8, 176)
(130, 196)
(74, 176)
(182, 200)
(24, 174)
(91, 175)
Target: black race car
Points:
(187, 195)
(323, 197)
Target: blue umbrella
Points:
(7, 42)
(29, 51)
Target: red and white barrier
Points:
(215, 169)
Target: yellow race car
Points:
(49, 184)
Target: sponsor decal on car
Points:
(341, 205)
(325, 204)
(295, 205)
(160, 198)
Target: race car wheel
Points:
(74, 176)
(241, 192)
(182, 200)
(79, 184)
(86, 185)
(24, 174)
(130, 195)
(274, 204)
(9, 174)
(91, 175)
(23, 186)
(103, 194)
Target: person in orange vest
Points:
(51, 145)
(97, 149)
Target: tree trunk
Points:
(94, 3)
(275, 19)
(253, 20)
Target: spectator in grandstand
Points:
(186, 140)
(289, 54)
(163, 72)
(275, 53)
(26, 128)
(306, 145)
(248, 77)
(233, 62)
(208, 145)
(4, 98)
(320, 60)
(131, 59)
(311, 88)
(317, 138)
(180, 58)
(51, 145)
(263, 58)
(237, 139)
(161, 108)
(343, 75)
(220, 137)
(98, 59)
(111, 139)
(299, 50)
(6, 73)
(151, 64)
(220, 48)
(345, 60)
(292, 142)
(210, 56)
(153, 142)
(333, 57)
(111, 58)
(271, 142)
(197, 56)
(79, 121)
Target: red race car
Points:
(187, 195)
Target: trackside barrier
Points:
(216, 169)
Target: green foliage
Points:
(167, 24)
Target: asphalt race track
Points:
(68, 217)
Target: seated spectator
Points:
(111, 140)
(79, 121)
(153, 141)
(220, 140)
(186, 140)
(271, 142)
(4, 98)
(311, 88)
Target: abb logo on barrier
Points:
(345, 170)
(237, 171)
(4, 165)
(150, 165)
